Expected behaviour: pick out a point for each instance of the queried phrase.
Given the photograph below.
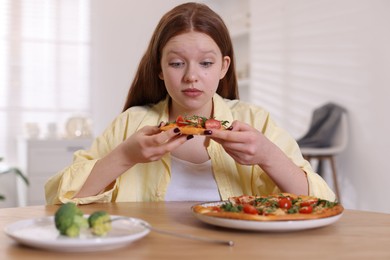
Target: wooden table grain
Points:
(357, 235)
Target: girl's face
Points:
(191, 67)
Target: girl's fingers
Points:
(160, 138)
(236, 133)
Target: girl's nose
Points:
(190, 79)
(190, 75)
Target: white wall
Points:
(121, 30)
(306, 53)
(358, 77)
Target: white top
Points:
(191, 182)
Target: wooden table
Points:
(357, 235)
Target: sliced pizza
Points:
(194, 125)
(276, 207)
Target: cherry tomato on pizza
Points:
(180, 121)
(306, 210)
(285, 203)
(212, 123)
(249, 209)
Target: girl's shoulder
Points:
(249, 113)
(244, 109)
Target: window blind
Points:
(304, 55)
(44, 66)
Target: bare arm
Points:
(146, 145)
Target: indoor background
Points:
(294, 56)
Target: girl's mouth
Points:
(192, 92)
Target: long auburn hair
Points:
(147, 87)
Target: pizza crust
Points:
(186, 130)
(243, 216)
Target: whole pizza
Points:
(194, 125)
(275, 207)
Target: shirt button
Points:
(158, 194)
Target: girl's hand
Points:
(249, 146)
(150, 144)
(245, 144)
(146, 145)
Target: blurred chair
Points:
(326, 138)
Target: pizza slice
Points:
(275, 207)
(194, 125)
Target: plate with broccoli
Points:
(69, 230)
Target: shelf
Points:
(40, 159)
(237, 17)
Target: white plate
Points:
(42, 233)
(274, 226)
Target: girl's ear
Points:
(225, 66)
(161, 75)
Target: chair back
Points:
(340, 138)
(324, 125)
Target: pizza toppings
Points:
(195, 124)
(199, 122)
(283, 206)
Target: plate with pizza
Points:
(194, 125)
(276, 212)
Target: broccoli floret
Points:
(100, 223)
(69, 220)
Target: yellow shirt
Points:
(149, 181)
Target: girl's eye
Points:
(176, 64)
(206, 64)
